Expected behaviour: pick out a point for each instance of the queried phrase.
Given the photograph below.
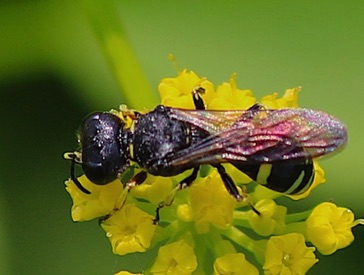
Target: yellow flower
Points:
(210, 203)
(271, 219)
(329, 227)
(288, 254)
(288, 100)
(99, 203)
(234, 263)
(153, 189)
(175, 258)
(129, 230)
(176, 91)
(229, 97)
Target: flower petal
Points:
(175, 258)
(129, 230)
(99, 203)
(234, 263)
(288, 254)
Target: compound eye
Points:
(99, 174)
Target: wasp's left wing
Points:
(260, 135)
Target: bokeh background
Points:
(53, 72)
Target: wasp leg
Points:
(135, 181)
(138, 179)
(256, 211)
(197, 99)
(73, 157)
(199, 105)
(256, 107)
(228, 182)
(190, 179)
(186, 182)
(231, 187)
(157, 210)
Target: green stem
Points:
(200, 251)
(255, 247)
(297, 227)
(241, 218)
(218, 245)
(119, 54)
(358, 222)
(171, 231)
(301, 216)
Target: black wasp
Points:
(273, 147)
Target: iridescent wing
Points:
(263, 136)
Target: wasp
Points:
(275, 148)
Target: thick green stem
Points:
(297, 227)
(255, 247)
(296, 217)
(241, 218)
(106, 23)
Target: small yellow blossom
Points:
(175, 258)
(99, 203)
(234, 263)
(129, 230)
(329, 227)
(210, 203)
(154, 189)
(288, 100)
(229, 97)
(288, 254)
(271, 219)
(185, 213)
(176, 91)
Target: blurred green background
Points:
(53, 72)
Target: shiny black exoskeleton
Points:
(104, 147)
(107, 148)
(157, 137)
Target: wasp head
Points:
(103, 147)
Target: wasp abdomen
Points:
(288, 177)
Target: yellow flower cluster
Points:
(204, 219)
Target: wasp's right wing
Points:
(260, 135)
